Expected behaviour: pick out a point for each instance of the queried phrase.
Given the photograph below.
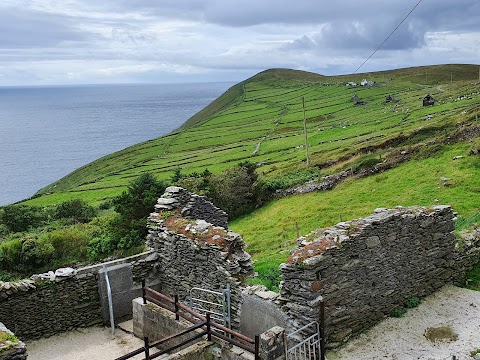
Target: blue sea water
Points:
(47, 132)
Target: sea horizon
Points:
(48, 131)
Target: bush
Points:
(78, 211)
(100, 247)
(133, 208)
(234, 190)
(68, 243)
(36, 254)
(10, 254)
(18, 218)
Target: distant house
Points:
(351, 84)
(366, 82)
(428, 100)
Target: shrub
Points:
(398, 313)
(77, 210)
(133, 207)
(10, 254)
(36, 254)
(234, 190)
(18, 218)
(100, 247)
(68, 243)
(413, 302)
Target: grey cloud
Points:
(21, 28)
(340, 36)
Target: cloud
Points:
(26, 29)
(138, 40)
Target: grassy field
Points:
(265, 112)
(261, 120)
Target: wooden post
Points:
(305, 130)
(209, 331)
(177, 317)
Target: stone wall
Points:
(192, 206)
(12, 349)
(63, 300)
(365, 269)
(198, 251)
(261, 311)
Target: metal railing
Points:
(212, 329)
(308, 342)
(216, 303)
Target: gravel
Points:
(404, 338)
(84, 344)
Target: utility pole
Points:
(305, 129)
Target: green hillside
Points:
(395, 153)
(265, 111)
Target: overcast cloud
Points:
(117, 41)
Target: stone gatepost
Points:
(272, 345)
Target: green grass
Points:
(270, 232)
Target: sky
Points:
(47, 42)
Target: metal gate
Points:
(308, 348)
(216, 303)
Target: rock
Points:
(47, 276)
(152, 257)
(65, 272)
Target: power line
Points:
(388, 37)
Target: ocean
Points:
(47, 132)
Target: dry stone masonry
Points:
(195, 248)
(53, 302)
(10, 347)
(365, 269)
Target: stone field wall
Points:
(54, 302)
(14, 349)
(365, 269)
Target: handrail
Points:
(179, 309)
(193, 313)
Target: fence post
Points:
(143, 292)
(257, 347)
(209, 333)
(322, 330)
(147, 349)
(177, 317)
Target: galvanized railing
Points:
(307, 348)
(308, 342)
(216, 303)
